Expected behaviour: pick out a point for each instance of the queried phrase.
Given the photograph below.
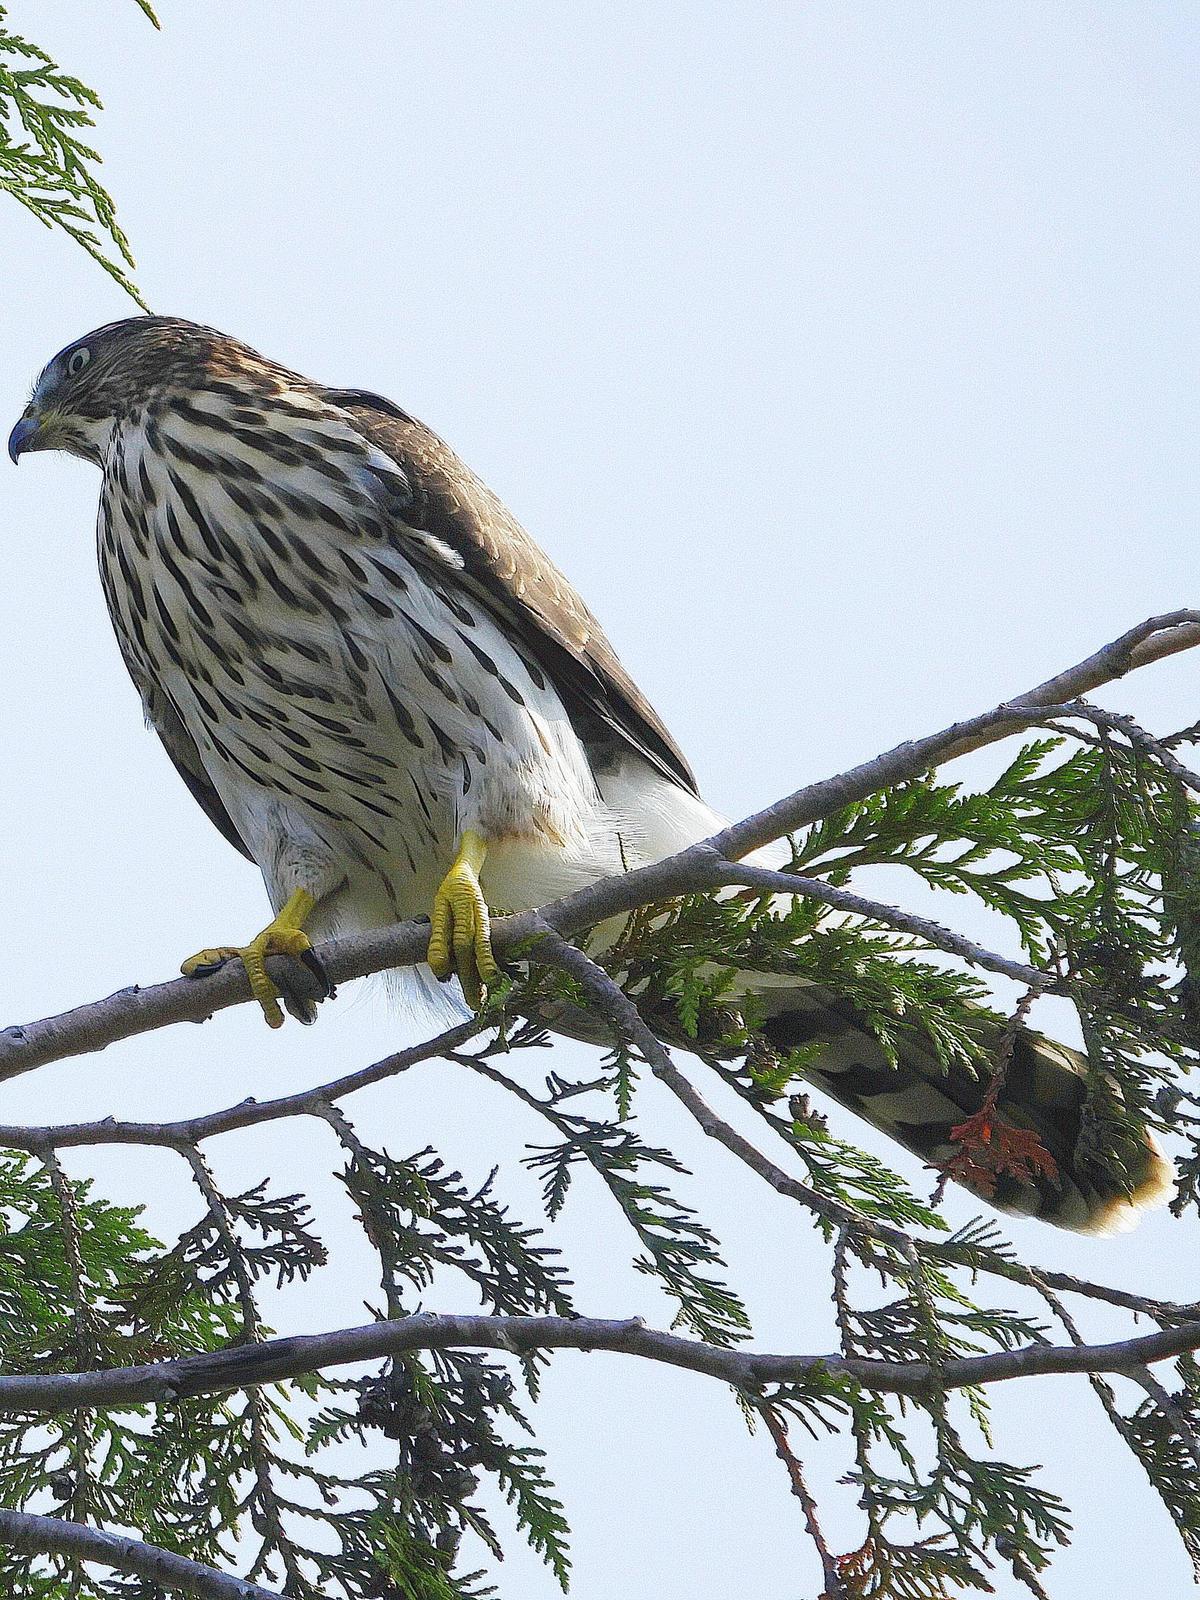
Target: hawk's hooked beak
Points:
(21, 438)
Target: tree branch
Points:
(1150, 641)
(191, 1131)
(35, 1536)
(246, 1366)
(627, 1021)
(934, 933)
(268, 1522)
(835, 1589)
(139, 1010)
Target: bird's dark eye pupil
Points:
(78, 361)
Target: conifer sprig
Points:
(46, 164)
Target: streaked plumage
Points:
(353, 654)
(343, 701)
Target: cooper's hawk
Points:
(382, 692)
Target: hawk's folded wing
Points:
(503, 566)
(181, 748)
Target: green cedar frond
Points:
(45, 164)
(680, 1251)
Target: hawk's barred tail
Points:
(918, 1103)
(1097, 1178)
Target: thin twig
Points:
(933, 933)
(250, 1113)
(274, 1535)
(192, 1131)
(1150, 641)
(1118, 722)
(553, 950)
(955, 1253)
(859, 1432)
(835, 1589)
(372, 1214)
(81, 1327)
(1170, 1408)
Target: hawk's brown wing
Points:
(181, 747)
(525, 591)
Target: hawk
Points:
(384, 694)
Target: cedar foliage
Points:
(46, 163)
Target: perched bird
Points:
(382, 692)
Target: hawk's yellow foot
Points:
(285, 936)
(460, 936)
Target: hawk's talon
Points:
(316, 966)
(460, 925)
(283, 937)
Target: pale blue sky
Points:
(842, 354)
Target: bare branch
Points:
(240, 1367)
(191, 1131)
(1117, 722)
(1149, 641)
(316, 1101)
(835, 1589)
(35, 1536)
(952, 1252)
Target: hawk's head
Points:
(100, 379)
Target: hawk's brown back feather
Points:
(519, 583)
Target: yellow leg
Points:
(460, 936)
(285, 936)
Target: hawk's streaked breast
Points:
(329, 663)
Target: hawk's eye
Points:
(78, 360)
